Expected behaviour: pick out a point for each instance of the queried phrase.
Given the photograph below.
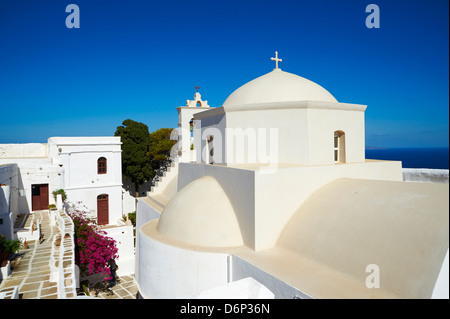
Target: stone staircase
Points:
(165, 179)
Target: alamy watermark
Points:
(257, 146)
(373, 279)
(373, 19)
(73, 19)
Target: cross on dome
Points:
(197, 88)
(276, 60)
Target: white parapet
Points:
(5, 271)
(426, 175)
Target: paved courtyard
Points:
(30, 271)
(125, 288)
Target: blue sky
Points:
(142, 59)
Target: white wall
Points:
(185, 114)
(5, 192)
(289, 132)
(144, 214)
(322, 123)
(441, 288)
(81, 168)
(9, 174)
(78, 156)
(123, 235)
(88, 196)
(33, 171)
(23, 150)
(291, 140)
(167, 271)
(242, 269)
(6, 223)
(274, 205)
(263, 207)
(209, 123)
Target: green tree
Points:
(136, 164)
(160, 146)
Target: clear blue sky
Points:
(142, 59)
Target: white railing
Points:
(62, 260)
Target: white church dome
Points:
(278, 86)
(201, 214)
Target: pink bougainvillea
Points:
(94, 249)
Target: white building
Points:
(280, 190)
(89, 169)
(93, 173)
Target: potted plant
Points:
(59, 191)
(3, 252)
(8, 248)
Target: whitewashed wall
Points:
(166, 271)
(78, 157)
(9, 198)
(123, 235)
(23, 150)
(33, 171)
(242, 269)
(88, 196)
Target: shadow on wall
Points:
(4, 201)
(128, 186)
(22, 201)
(10, 175)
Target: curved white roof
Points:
(278, 86)
(401, 227)
(201, 214)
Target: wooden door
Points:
(39, 196)
(102, 209)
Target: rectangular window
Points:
(339, 147)
(336, 148)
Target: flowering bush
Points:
(93, 249)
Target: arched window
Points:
(339, 147)
(101, 165)
(191, 127)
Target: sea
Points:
(437, 158)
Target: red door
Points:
(39, 196)
(102, 209)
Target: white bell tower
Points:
(186, 152)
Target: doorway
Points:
(102, 209)
(39, 196)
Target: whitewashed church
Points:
(274, 185)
